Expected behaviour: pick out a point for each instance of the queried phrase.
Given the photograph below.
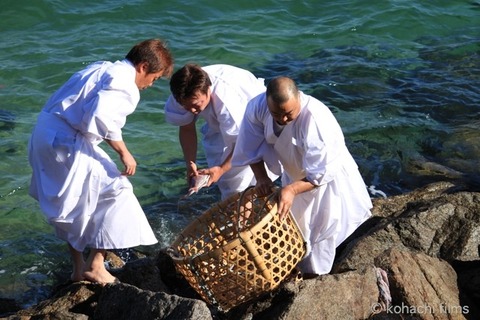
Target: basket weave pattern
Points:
(238, 249)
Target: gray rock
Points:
(422, 286)
(74, 301)
(350, 295)
(427, 241)
(123, 301)
(430, 220)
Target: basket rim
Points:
(239, 237)
(232, 243)
(203, 218)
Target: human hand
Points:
(125, 156)
(264, 186)
(191, 171)
(130, 164)
(215, 174)
(285, 200)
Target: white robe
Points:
(231, 90)
(311, 147)
(78, 186)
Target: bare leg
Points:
(78, 264)
(95, 270)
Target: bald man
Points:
(321, 184)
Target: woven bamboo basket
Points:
(238, 249)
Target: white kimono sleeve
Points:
(175, 114)
(251, 145)
(323, 144)
(229, 114)
(107, 115)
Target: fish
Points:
(197, 183)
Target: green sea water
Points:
(400, 76)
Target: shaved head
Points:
(283, 100)
(281, 89)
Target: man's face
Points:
(284, 113)
(143, 80)
(197, 103)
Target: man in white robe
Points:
(89, 202)
(321, 184)
(219, 94)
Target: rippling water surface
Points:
(401, 78)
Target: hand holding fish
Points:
(215, 173)
(196, 183)
(191, 171)
(196, 180)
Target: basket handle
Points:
(239, 207)
(246, 237)
(267, 199)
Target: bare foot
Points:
(78, 265)
(102, 277)
(77, 276)
(77, 273)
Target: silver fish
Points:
(197, 183)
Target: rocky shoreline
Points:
(425, 243)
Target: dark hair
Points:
(188, 80)
(155, 53)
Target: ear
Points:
(142, 67)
